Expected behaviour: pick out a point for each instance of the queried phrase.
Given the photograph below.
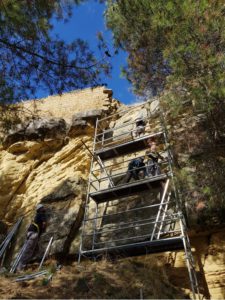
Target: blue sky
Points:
(86, 21)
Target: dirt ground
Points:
(130, 278)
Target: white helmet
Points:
(39, 206)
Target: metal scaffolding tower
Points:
(138, 216)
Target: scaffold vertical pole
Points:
(189, 260)
(94, 226)
(88, 191)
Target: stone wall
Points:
(66, 105)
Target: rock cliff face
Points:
(44, 160)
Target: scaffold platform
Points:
(130, 188)
(126, 147)
(141, 248)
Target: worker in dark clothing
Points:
(136, 169)
(153, 168)
(36, 228)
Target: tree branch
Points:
(15, 46)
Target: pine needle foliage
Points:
(177, 45)
(32, 59)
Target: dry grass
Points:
(121, 279)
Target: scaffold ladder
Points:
(159, 221)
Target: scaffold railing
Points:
(108, 134)
(112, 137)
(118, 175)
(127, 215)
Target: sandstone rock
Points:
(37, 130)
(67, 189)
(54, 175)
(125, 126)
(47, 128)
(13, 138)
(12, 176)
(108, 91)
(78, 127)
(84, 122)
(88, 115)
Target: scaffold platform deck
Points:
(130, 146)
(140, 248)
(127, 189)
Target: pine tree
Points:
(31, 59)
(173, 45)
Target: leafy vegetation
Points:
(173, 45)
(32, 59)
